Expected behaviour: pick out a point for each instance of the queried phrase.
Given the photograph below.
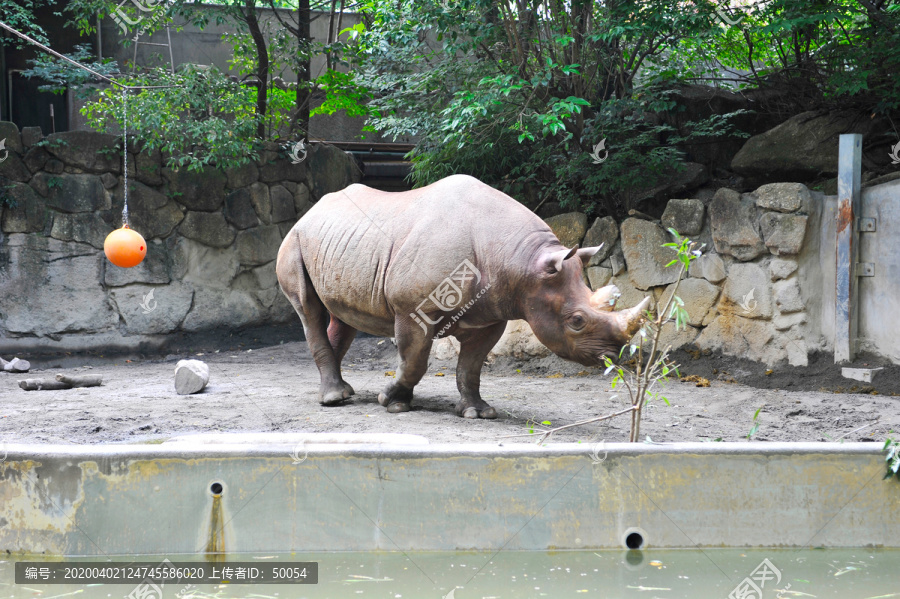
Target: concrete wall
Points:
(212, 238)
(156, 499)
(763, 288)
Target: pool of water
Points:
(681, 574)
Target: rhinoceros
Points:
(457, 257)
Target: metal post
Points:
(846, 308)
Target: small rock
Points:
(685, 216)
(782, 268)
(569, 228)
(783, 233)
(604, 231)
(708, 266)
(642, 244)
(735, 229)
(797, 354)
(784, 322)
(787, 296)
(31, 135)
(598, 276)
(15, 365)
(782, 197)
(191, 376)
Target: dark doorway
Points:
(30, 107)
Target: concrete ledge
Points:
(145, 499)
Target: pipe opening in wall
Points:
(634, 540)
(216, 488)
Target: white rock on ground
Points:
(191, 376)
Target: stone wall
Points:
(212, 238)
(764, 286)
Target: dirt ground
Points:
(266, 381)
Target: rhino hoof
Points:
(333, 397)
(383, 399)
(489, 413)
(348, 391)
(470, 413)
(397, 407)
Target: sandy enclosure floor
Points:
(274, 388)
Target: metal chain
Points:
(125, 154)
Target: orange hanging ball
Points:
(125, 247)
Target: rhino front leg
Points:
(414, 346)
(474, 346)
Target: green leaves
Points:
(755, 423)
(892, 458)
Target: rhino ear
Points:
(587, 253)
(552, 262)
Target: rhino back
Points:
(373, 254)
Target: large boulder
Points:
(642, 243)
(197, 190)
(84, 227)
(747, 292)
(242, 176)
(686, 177)
(695, 102)
(283, 209)
(87, 150)
(262, 202)
(147, 167)
(72, 193)
(239, 209)
(735, 227)
(209, 228)
(744, 337)
(14, 169)
(150, 213)
(214, 308)
(29, 213)
(152, 270)
(331, 169)
(193, 262)
(152, 310)
(258, 245)
(569, 228)
(804, 147)
(698, 296)
(69, 274)
(9, 131)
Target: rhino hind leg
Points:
(341, 336)
(474, 346)
(297, 287)
(414, 347)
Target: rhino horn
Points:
(554, 260)
(630, 320)
(604, 298)
(587, 253)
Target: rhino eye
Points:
(576, 322)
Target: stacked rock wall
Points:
(763, 287)
(212, 238)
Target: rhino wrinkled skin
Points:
(457, 257)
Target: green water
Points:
(681, 574)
